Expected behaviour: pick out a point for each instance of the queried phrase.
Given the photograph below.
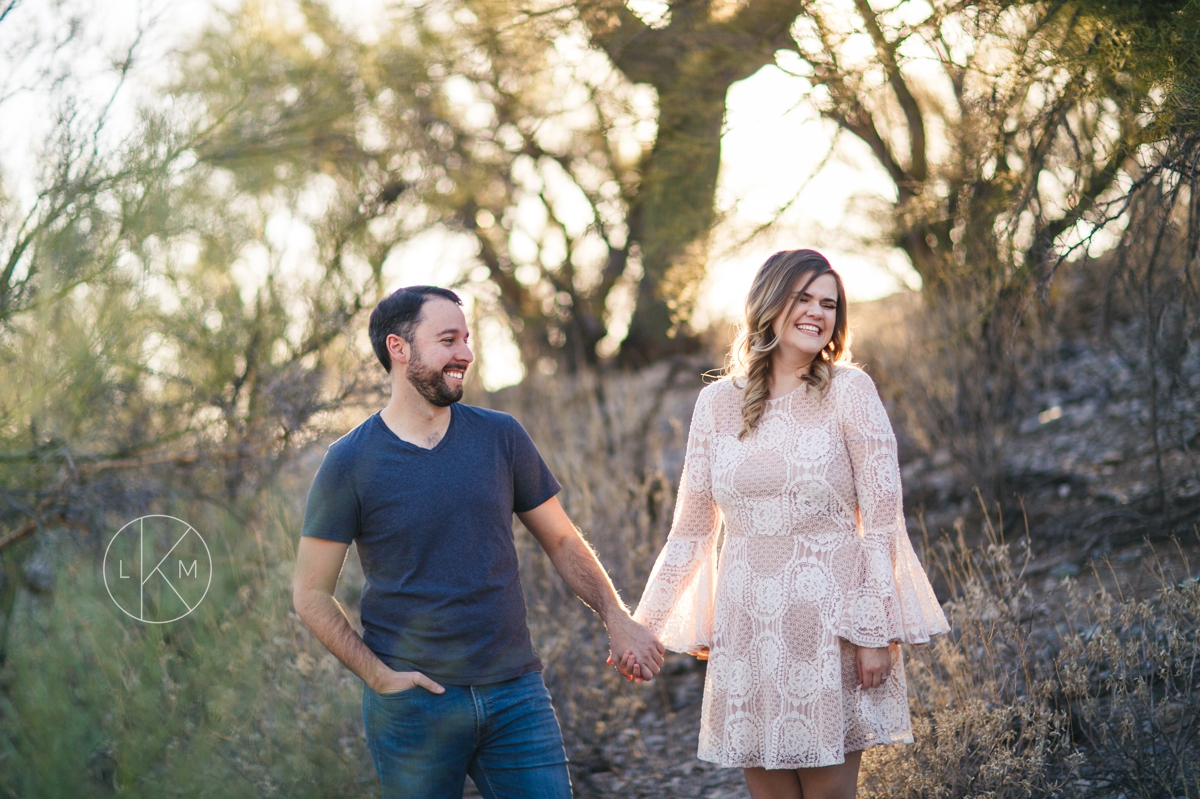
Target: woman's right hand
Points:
(627, 667)
(394, 682)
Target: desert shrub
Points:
(982, 721)
(1099, 696)
(1130, 670)
(952, 382)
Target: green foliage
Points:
(234, 700)
(155, 340)
(453, 120)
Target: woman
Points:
(817, 581)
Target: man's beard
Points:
(430, 383)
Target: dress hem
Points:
(896, 741)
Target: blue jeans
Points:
(505, 735)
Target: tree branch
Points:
(918, 166)
(633, 46)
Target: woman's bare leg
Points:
(831, 782)
(825, 782)
(772, 784)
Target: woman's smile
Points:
(805, 328)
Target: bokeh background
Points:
(200, 202)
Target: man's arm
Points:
(576, 563)
(318, 565)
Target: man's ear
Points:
(398, 349)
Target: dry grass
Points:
(1094, 696)
(1128, 670)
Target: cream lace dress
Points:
(815, 555)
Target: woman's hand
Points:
(628, 667)
(874, 665)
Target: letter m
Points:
(191, 571)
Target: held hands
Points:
(641, 652)
(396, 681)
(629, 668)
(874, 665)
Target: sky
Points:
(772, 147)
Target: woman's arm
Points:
(669, 606)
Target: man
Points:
(427, 489)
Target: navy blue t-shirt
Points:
(434, 533)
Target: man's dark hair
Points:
(398, 313)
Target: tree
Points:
(1151, 299)
(144, 366)
(691, 62)
(500, 122)
(1002, 127)
(470, 123)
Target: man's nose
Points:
(464, 353)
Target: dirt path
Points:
(656, 755)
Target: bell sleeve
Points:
(677, 604)
(890, 598)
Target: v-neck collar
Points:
(413, 447)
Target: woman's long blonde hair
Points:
(772, 294)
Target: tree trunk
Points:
(673, 217)
(691, 62)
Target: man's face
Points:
(440, 354)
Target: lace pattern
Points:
(816, 560)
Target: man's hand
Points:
(640, 652)
(396, 681)
(874, 665)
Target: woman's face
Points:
(805, 330)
